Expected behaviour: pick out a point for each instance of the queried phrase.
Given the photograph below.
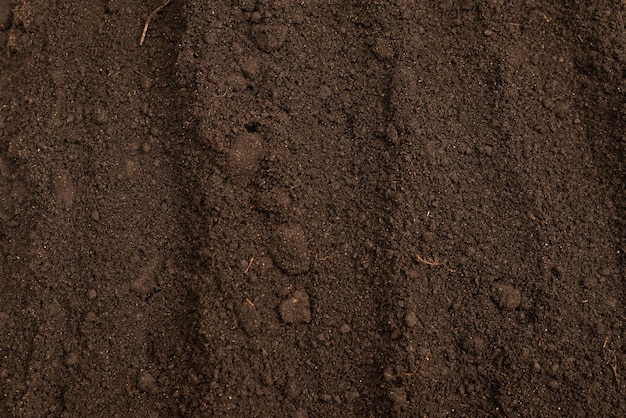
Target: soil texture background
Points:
(312, 209)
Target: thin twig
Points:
(249, 265)
(432, 263)
(150, 17)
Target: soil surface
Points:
(312, 209)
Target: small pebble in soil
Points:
(410, 319)
(326, 397)
(91, 317)
(289, 249)
(71, 359)
(296, 309)
(397, 396)
(146, 382)
(251, 68)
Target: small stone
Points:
(95, 215)
(554, 384)
(606, 271)
(71, 359)
(296, 309)
(345, 329)
(507, 296)
(301, 413)
(410, 319)
(397, 396)
(289, 250)
(352, 395)
(274, 201)
(91, 317)
(326, 397)
(92, 294)
(324, 92)
(146, 382)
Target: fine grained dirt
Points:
(317, 208)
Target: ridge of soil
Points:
(276, 208)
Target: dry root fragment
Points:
(150, 17)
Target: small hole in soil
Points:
(252, 127)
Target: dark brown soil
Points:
(312, 209)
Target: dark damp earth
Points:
(312, 209)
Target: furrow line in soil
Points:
(97, 313)
(289, 167)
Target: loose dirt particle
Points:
(64, 189)
(506, 296)
(352, 395)
(269, 37)
(71, 359)
(292, 390)
(100, 116)
(397, 396)
(145, 282)
(296, 309)
(410, 319)
(244, 157)
(301, 413)
(249, 317)
(289, 249)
